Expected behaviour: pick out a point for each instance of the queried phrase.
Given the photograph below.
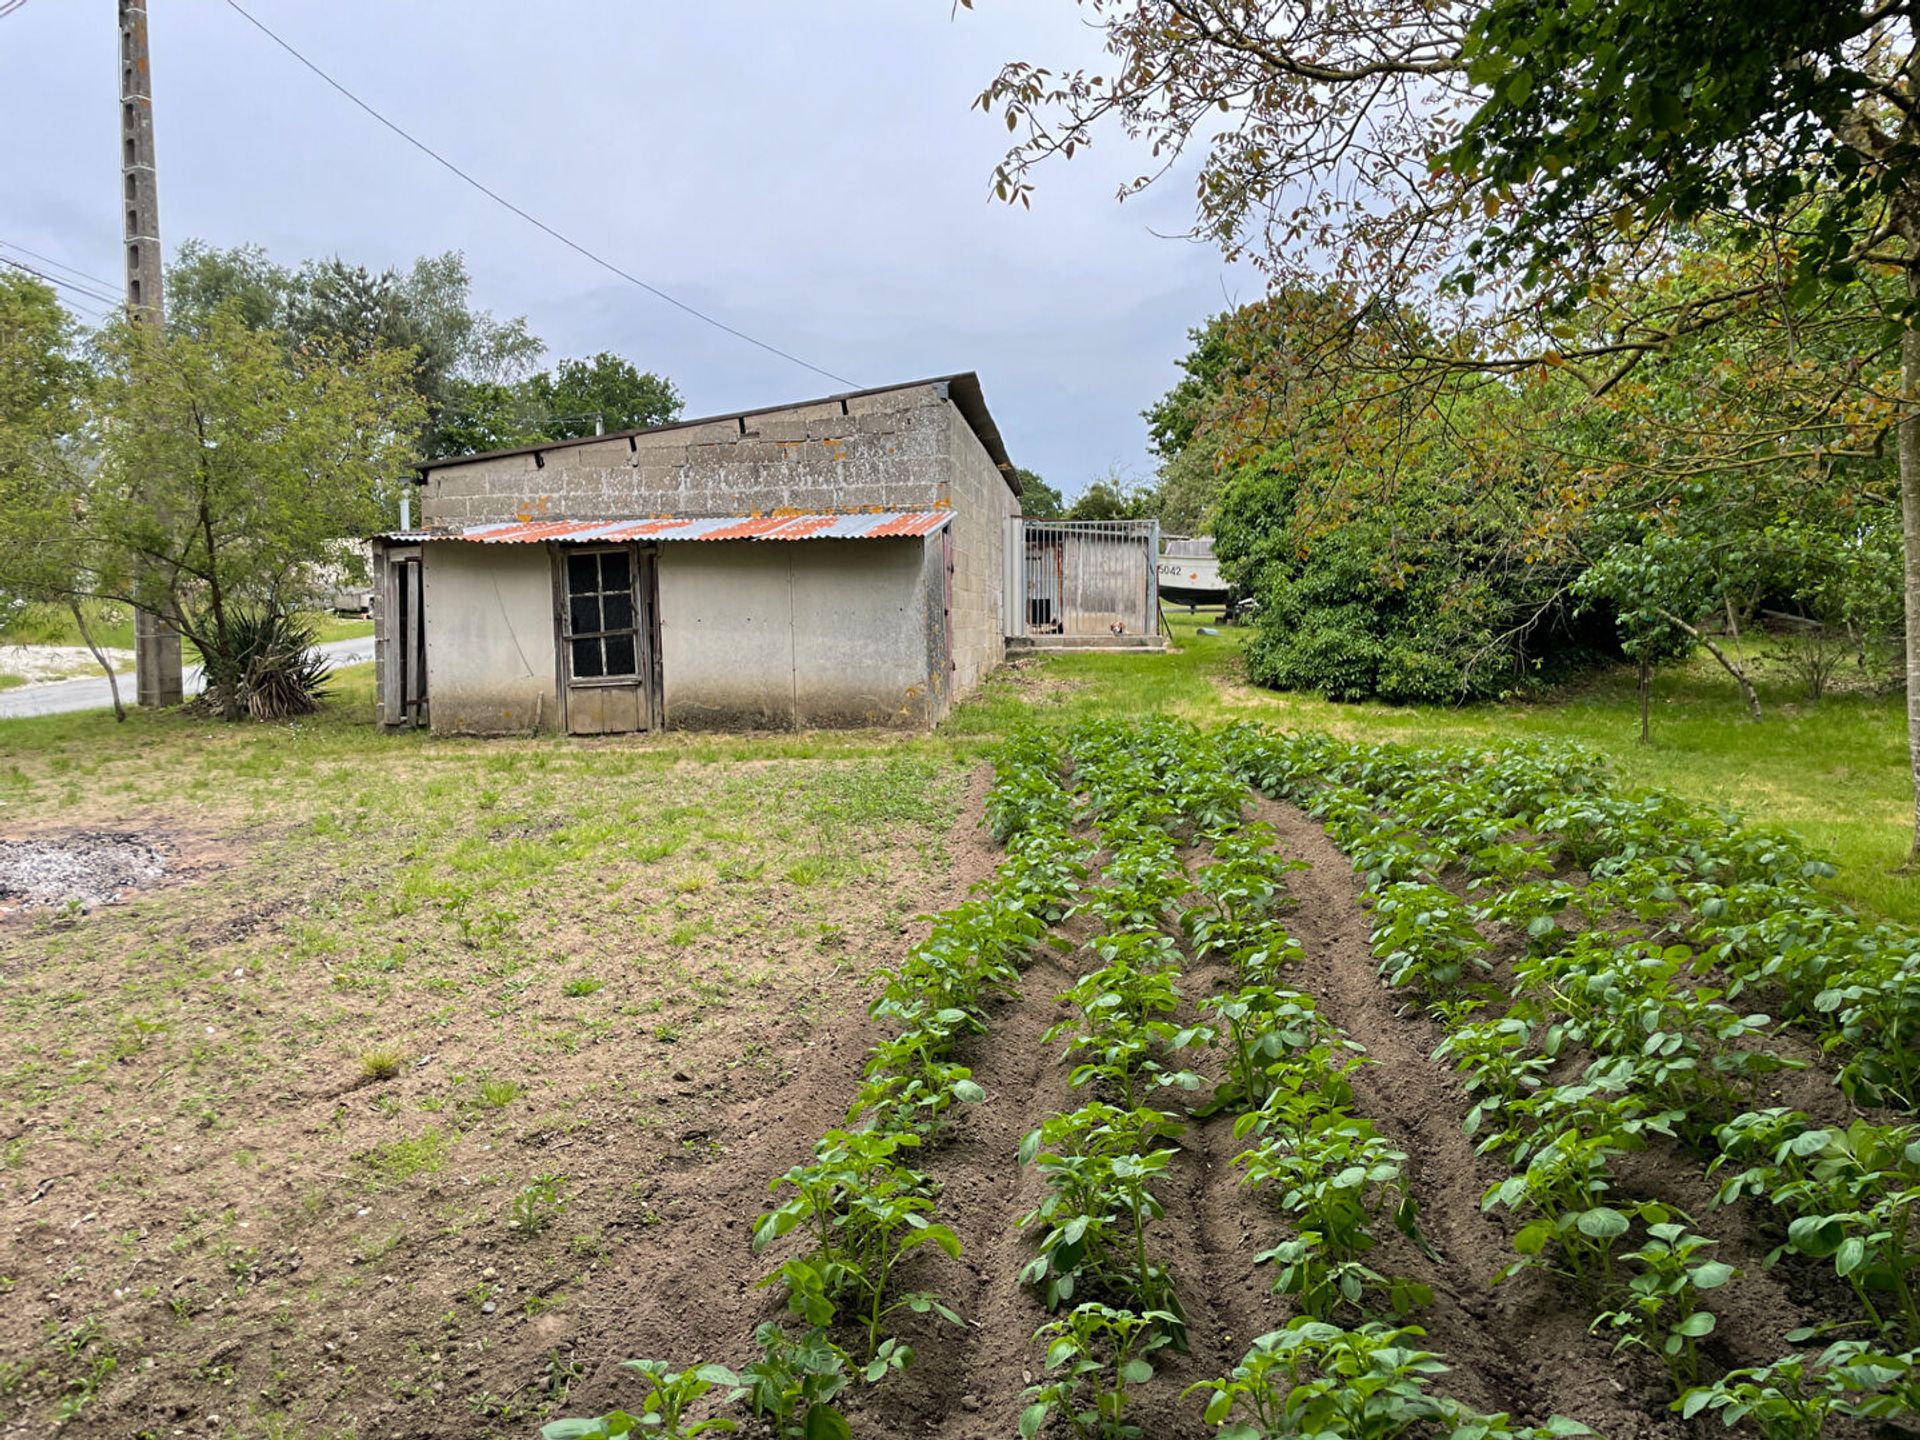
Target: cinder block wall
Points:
(982, 503)
(870, 452)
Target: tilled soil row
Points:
(687, 1289)
(1524, 1343)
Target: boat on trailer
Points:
(1190, 575)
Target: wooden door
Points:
(604, 599)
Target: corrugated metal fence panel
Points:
(1013, 587)
(1086, 577)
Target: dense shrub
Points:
(1422, 611)
(267, 667)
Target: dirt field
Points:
(687, 1291)
(374, 1114)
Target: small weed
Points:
(585, 985)
(380, 1063)
(498, 1094)
(400, 1160)
(539, 1202)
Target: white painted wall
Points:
(491, 655)
(780, 636)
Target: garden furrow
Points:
(1560, 1369)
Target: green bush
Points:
(265, 665)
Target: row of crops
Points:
(1187, 880)
(1597, 966)
(1604, 977)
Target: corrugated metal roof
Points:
(875, 525)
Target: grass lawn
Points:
(343, 1131)
(112, 627)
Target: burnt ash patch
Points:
(88, 868)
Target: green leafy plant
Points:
(1793, 1398)
(864, 1211)
(1371, 1383)
(663, 1413)
(1663, 1312)
(1094, 1353)
(538, 1204)
(794, 1382)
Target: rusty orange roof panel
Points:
(881, 525)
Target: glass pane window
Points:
(603, 641)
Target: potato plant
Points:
(663, 1412)
(1094, 1352)
(1794, 1397)
(1663, 1312)
(1368, 1383)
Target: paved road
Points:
(56, 697)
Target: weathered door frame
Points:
(404, 621)
(646, 679)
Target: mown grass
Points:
(112, 626)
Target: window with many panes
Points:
(601, 633)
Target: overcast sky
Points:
(809, 173)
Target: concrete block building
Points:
(834, 562)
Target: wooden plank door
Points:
(604, 596)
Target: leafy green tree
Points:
(1665, 588)
(1039, 500)
(1187, 495)
(1542, 158)
(426, 309)
(1111, 497)
(210, 468)
(606, 393)
(43, 387)
(483, 415)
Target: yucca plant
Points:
(262, 663)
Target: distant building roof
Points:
(963, 389)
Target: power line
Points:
(68, 300)
(532, 220)
(70, 269)
(7, 7)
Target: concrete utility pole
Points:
(156, 644)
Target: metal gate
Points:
(1081, 577)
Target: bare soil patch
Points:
(267, 1140)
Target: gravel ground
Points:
(37, 664)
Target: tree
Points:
(1111, 497)
(426, 309)
(585, 397)
(212, 466)
(1664, 590)
(1038, 500)
(43, 385)
(1530, 159)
